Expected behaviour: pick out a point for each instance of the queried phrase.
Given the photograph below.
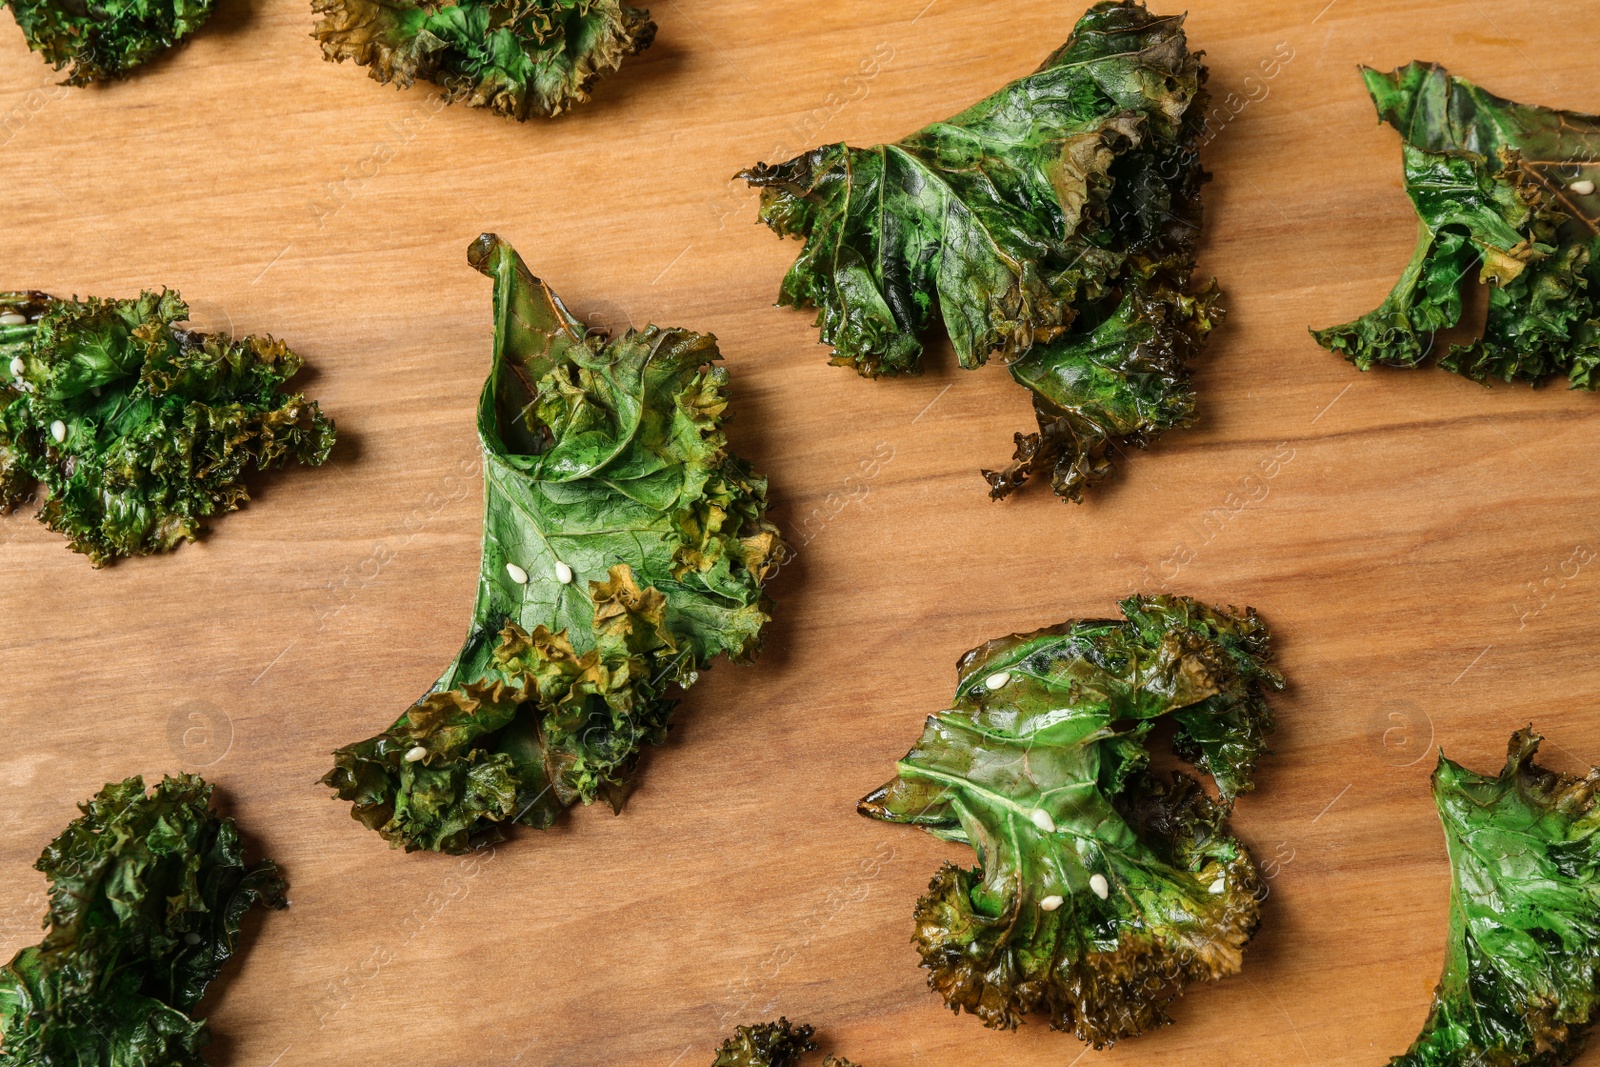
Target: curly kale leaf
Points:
(1508, 189)
(105, 40)
(138, 429)
(1522, 966)
(778, 1044)
(1102, 888)
(1052, 225)
(623, 548)
(1123, 382)
(147, 897)
(519, 57)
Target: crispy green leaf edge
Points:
(1040, 766)
(1052, 225)
(624, 547)
(148, 894)
(138, 429)
(520, 58)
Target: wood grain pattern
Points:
(1405, 533)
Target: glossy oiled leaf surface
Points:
(137, 428)
(1052, 225)
(623, 548)
(1499, 189)
(518, 57)
(147, 896)
(1102, 888)
(778, 1044)
(1522, 965)
(108, 38)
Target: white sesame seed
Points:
(95, 391)
(563, 573)
(11, 318)
(1101, 887)
(191, 938)
(1043, 821)
(58, 430)
(995, 681)
(1050, 903)
(1583, 188)
(18, 368)
(518, 575)
(1219, 886)
(415, 753)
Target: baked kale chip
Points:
(623, 548)
(147, 897)
(519, 57)
(139, 429)
(1509, 190)
(1522, 966)
(1052, 225)
(776, 1044)
(106, 39)
(1103, 887)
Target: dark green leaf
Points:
(139, 429)
(106, 39)
(1123, 383)
(1522, 964)
(771, 1045)
(1500, 188)
(147, 897)
(1052, 224)
(1041, 766)
(643, 544)
(519, 57)
(766, 1045)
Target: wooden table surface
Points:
(1416, 541)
